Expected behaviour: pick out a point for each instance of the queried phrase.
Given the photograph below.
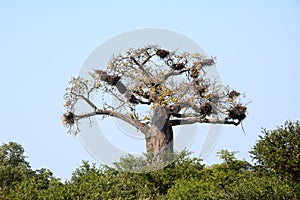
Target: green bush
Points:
(278, 151)
(275, 174)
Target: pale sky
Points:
(257, 44)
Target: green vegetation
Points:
(274, 175)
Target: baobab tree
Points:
(156, 89)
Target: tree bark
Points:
(159, 138)
(159, 141)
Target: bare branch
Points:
(147, 59)
(141, 65)
(134, 122)
(135, 61)
(175, 73)
(192, 120)
(162, 87)
(86, 100)
(185, 115)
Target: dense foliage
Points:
(185, 178)
(278, 151)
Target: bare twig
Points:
(175, 73)
(141, 66)
(86, 100)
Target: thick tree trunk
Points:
(159, 141)
(159, 138)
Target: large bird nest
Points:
(205, 109)
(238, 112)
(194, 72)
(162, 53)
(178, 66)
(233, 94)
(68, 118)
(200, 89)
(109, 79)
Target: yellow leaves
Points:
(112, 66)
(166, 93)
(97, 85)
(208, 96)
(173, 99)
(152, 89)
(131, 115)
(179, 57)
(146, 118)
(160, 98)
(140, 88)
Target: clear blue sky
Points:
(257, 44)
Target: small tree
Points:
(156, 89)
(279, 151)
(13, 165)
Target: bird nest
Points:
(109, 79)
(233, 94)
(206, 108)
(68, 118)
(162, 53)
(194, 72)
(238, 112)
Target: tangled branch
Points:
(141, 80)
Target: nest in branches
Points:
(68, 118)
(238, 112)
(205, 109)
(133, 99)
(141, 93)
(162, 53)
(233, 94)
(178, 66)
(110, 79)
(194, 72)
(200, 89)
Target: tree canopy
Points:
(14, 167)
(278, 151)
(154, 90)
